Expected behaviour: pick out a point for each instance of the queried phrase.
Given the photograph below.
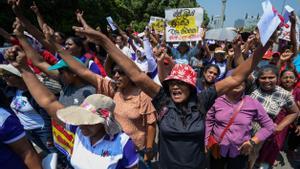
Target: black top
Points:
(181, 136)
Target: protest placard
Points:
(111, 23)
(268, 23)
(158, 24)
(285, 31)
(183, 24)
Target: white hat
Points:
(10, 68)
(95, 109)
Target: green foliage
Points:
(60, 13)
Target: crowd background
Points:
(126, 98)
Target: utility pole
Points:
(223, 12)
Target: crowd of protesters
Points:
(127, 100)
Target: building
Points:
(239, 23)
(251, 22)
(215, 22)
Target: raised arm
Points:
(238, 54)
(5, 34)
(129, 67)
(130, 33)
(285, 59)
(163, 69)
(121, 32)
(74, 65)
(80, 19)
(40, 93)
(28, 25)
(32, 54)
(293, 34)
(39, 16)
(242, 71)
(153, 39)
(149, 52)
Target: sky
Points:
(237, 9)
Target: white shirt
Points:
(126, 51)
(104, 154)
(143, 65)
(28, 116)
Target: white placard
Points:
(268, 23)
(287, 12)
(111, 23)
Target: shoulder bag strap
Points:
(231, 120)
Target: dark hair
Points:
(79, 42)
(288, 70)
(211, 65)
(62, 35)
(264, 69)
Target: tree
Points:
(60, 13)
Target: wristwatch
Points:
(252, 142)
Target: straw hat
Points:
(95, 109)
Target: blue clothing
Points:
(297, 62)
(222, 66)
(91, 65)
(11, 131)
(35, 120)
(184, 58)
(2, 50)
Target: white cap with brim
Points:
(11, 69)
(76, 115)
(219, 50)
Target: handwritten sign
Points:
(158, 24)
(183, 24)
(285, 32)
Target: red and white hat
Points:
(183, 72)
